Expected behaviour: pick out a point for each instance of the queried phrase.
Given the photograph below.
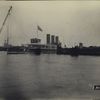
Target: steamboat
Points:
(50, 47)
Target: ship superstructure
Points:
(50, 46)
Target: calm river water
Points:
(49, 77)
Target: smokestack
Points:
(48, 38)
(52, 39)
(56, 39)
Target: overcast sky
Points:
(73, 21)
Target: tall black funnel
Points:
(57, 39)
(48, 38)
(52, 39)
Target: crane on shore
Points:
(3, 24)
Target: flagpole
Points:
(37, 31)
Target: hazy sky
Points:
(73, 21)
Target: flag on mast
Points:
(39, 28)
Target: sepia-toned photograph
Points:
(49, 50)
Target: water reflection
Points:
(48, 76)
(11, 86)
